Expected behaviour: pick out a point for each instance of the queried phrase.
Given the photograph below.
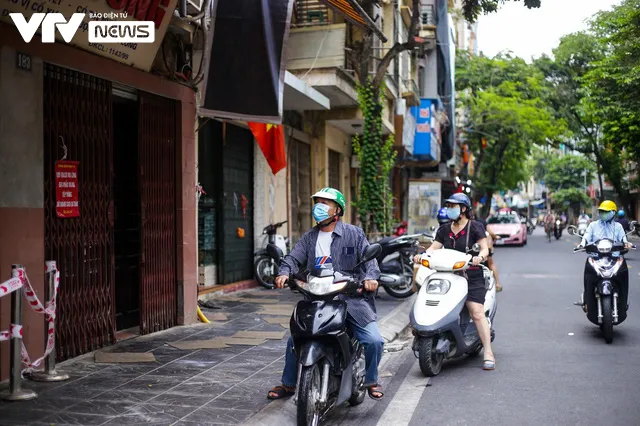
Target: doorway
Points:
(127, 221)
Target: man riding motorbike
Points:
(549, 220)
(623, 220)
(450, 236)
(584, 216)
(331, 246)
(605, 227)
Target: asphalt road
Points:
(553, 367)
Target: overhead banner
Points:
(245, 79)
(137, 55)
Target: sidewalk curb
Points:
(397, 321)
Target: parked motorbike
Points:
(265, 268)
(396, 264)
(557, 229)
(582, 226)
(606, 258)
(441, 323)
(331, 365)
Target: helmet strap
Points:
(327, 222)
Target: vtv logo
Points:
(49, 22)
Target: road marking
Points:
(570, 334)
(404, 402)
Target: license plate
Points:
(500, 242)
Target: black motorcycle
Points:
(265, 268)
(557, 229)
(606, 259)
(331, 365)
(396, 264)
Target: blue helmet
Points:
(442, 216)
(459, 198)
(620, 213)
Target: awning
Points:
(354, 13)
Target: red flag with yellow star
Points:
(270, 138)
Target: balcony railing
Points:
(310, 13)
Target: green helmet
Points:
(332, 194)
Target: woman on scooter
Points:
(453, 236)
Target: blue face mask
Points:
(320, 212)
(607, 216)
(453, 213)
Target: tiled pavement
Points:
(183, 387)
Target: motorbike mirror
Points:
(571, 230)
(371, 252)
(432, 228)
(476, 248)
(634, 224)
(274, 252)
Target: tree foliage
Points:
(474, 8)
(594, 81)
(565, 177)
(506, 117)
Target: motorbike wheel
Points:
(265, 271)
(308, 396)
(405, 290)
(430, 362)
(607, 319)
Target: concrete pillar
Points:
(21, 191)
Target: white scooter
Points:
(582, 226)
(441, 323)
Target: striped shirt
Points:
(347, 245)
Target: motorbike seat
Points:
(385, 240)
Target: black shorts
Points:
(477, 291)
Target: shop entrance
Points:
(127, 221)
(117, 259)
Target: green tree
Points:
(612, 85)
(372, 148)
(506, 117)
(593, 81)
(565, 177)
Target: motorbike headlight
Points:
(605, 246)
(438, 286)
(322, 286)
(558, 222)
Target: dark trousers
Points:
(621, 282)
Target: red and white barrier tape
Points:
(49, 310)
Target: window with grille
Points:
(334, 170)
(310, 13)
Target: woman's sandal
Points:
(377, 389)
(281, 392)
(489, 364)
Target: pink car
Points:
(510, 229)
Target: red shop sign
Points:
(67, 189)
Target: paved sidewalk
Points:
(182, 387)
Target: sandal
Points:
(377, 389)
(281, 392)
(489, 364)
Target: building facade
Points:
(127, 261)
